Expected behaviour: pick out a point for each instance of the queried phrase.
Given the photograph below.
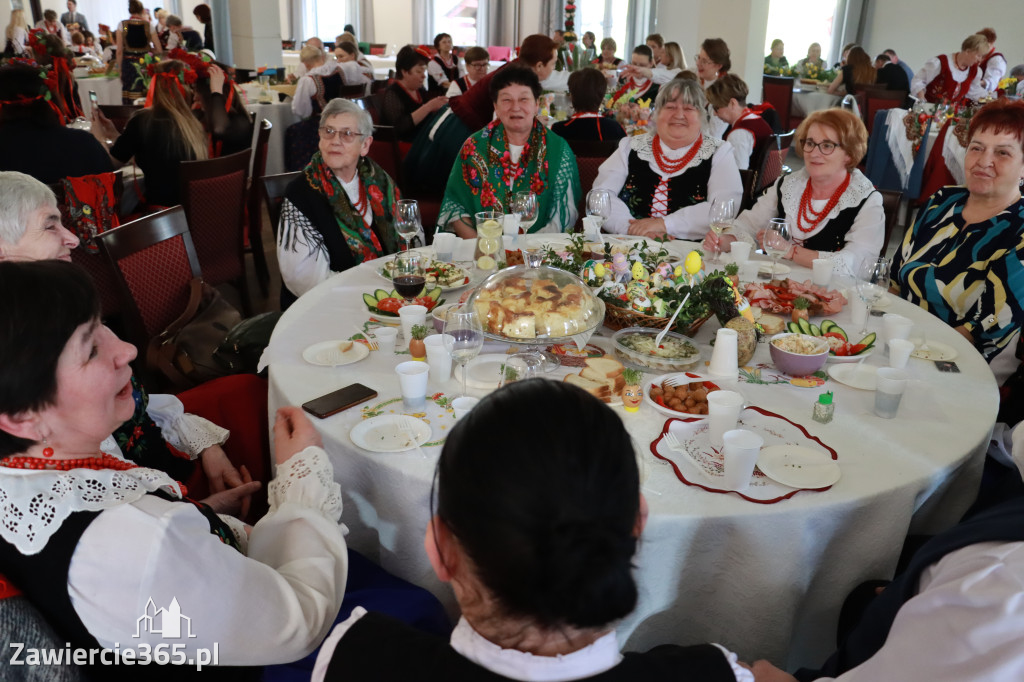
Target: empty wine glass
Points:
(721, 215)
(525, 205)
(776, 239)
(872, 283)
(407, 220)
(599, 206)
(464, 337)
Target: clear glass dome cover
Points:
(523, 304)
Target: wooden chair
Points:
(352, 91)
(257, 169)
(155, 263)
(590, 154)
(301, 141)
(772, 168)
(878, 99)
(748, 178)
(891, 207)
(779, 91)
(757, 161)
(377, 49)
(213, 193)
(385, 151)
(119, 114)
(272, 189)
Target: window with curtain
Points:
(458, 18)
(606, 19)
(330, 16)
(798, 24)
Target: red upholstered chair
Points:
(155, 263)
(213, 193)
(499, 53)
(590, 154)
(385, 151)
(272, 190)
(257, 169)
(377, 49)
(878, 99)
(772, 167)
(779, 91)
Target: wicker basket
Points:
(619, 318)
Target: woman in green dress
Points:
(514, 153)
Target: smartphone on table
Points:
(337, 401)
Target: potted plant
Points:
(632, 392)
(417, 349)
(732, 271)
(800, 306)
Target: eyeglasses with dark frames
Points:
(826, 146)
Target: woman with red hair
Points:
(961, 260)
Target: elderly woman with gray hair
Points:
(341, 211)
(663, 181)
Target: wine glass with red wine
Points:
(408, 275)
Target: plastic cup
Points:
(510, 224)
(741, 449)
(591, 229)
(411, 315)
(858, 313)
(740, 252)
(723, 411)
(444, 246)
(896, 326)
(899, 352)
(386, 337)
(821, 271)
(748, 270)
(412, 379)
(463, 405)
(890, 385)
(438, 357)
(724, 358)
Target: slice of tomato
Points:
(857, 348)
(425, 301)
(835, 335)
(389, 305)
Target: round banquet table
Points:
(807, 99)
(765, 580)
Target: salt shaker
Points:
(824, 409)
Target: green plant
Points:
(801, 303)
(732, 269)
(633, 377)
(419, 331)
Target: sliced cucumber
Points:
(815, 330)
(434, 293)
(868, 342)
(370, 300)
(794, 328)
(380, 294)
(826, 326)
(805, 326)
(836, 329)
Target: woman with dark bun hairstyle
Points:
(538, 545)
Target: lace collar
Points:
(34, 504)
(642, 145)
(589, 661)
(793, 187)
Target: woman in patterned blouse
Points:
(961, 260)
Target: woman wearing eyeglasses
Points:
(477, 65)
(832, 209)
(340, 212)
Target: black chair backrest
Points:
(891, 207)
(272, 189)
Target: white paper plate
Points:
(389, 433)
(798, 466)
(842, 359)
(855, 376)
(483, 371)
(780, 269)
(328, 353)
(936, 351)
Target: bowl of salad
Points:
(635, 346)
(446, 276)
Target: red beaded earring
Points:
(47, 451)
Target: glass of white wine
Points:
(407, 220)
(721, 215)
(525, 205)
(775, 240)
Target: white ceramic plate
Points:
(780, 269)
(683, 377)
(382, 272)
(483, 371)
(936, 351)
(855, 376)
(390, 433)
(798, 466)
(883, 302)
(843, 359)
(328, 353)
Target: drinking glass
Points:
(775, 240)
(872, 283)
(722, 215)
(599, 205)
(464, 337)
(407, 220)
(408, 274)
(525, 204)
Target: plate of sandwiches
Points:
(601, 378)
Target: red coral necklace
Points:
(104, 461)
(812, 217)
(669, 167)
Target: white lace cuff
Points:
(307, 479)
(238, 530)
(187, 432)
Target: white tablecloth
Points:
(807, 99)
(381, 64)
(108, 91)
(764, 580)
